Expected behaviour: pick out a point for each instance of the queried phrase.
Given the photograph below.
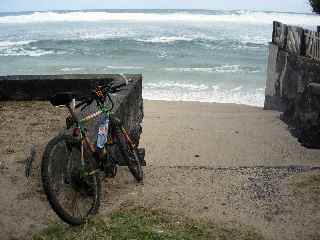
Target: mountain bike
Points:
(71, 166)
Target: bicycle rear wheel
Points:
(73, 189)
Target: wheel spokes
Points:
(70, 183)
(75, 206)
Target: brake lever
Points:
(115, 90)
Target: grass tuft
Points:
(146, 224)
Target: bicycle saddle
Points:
(61, 98)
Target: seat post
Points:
(73, 104)
(71, 108)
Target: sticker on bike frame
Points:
(103, 130)
(91, 116)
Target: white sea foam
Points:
(25, 52)
(167, 39)
(71, 69)
(236, 89)
(190, 69)
(246, 17)
(112, 34)
(19, 48)
(124, 67)
(228, 69)
(216, 69)
(6, 44)
(202, 93)
(176, 86)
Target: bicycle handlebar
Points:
(106, 90)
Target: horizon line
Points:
(148, 9)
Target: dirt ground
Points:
(230, 164)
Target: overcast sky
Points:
(33, 5)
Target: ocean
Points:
(184, 55)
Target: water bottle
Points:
(102, 132)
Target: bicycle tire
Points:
(50, 191)
(132, 157)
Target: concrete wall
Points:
(40, 87)
(288, 77)
(128, 102)
(287, 88)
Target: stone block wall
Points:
(289, 74)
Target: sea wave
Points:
(216, 69)
(73, 46)
(204, 40)
(202, 93)
(241, 17)
(208, 40)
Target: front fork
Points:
(128, 139)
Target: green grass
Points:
(143, 224)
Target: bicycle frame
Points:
(82, 133)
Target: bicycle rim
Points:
(73, 189)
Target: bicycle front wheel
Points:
(72, 186)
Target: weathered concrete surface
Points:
(295, 40)
(288, 76)
(40, 87)
(128, 102)
(292, 39)
(279, 34)
(287, 91)
(272, 93)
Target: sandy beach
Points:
(231, 164)
(223, 135)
